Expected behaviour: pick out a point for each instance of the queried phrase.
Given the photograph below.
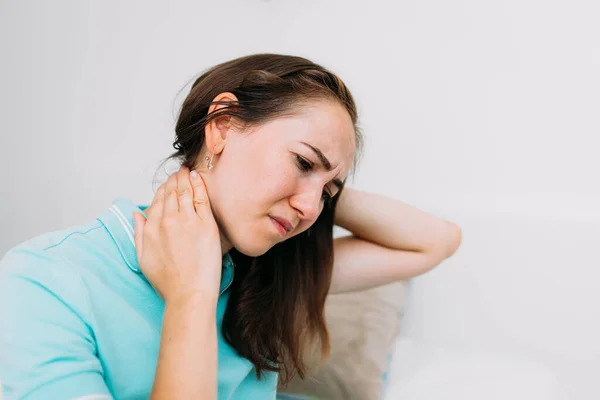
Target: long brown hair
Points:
(276, 304)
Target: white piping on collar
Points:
(115, 210)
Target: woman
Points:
(125, 306)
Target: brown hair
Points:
(276, 304)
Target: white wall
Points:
(485, 113)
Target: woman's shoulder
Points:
(67, 260)
(46, 256)
(58, 239)
(48, 243)
(45, 303)
(37, 271)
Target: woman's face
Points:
(285, 169)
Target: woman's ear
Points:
(217, 130)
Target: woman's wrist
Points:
(188, 356)
(193, 299)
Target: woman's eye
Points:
(303, 164)
(306, 167)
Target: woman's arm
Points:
(188, 350)
(391, 241)
(179, 251)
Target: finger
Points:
(158, 199)
(155, 210)
(201, 202)
(171, 204)
(185, 193)
(138, 232)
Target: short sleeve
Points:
(47, 348)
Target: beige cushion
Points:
(363, 327)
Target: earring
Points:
(209, 165)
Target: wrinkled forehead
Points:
(328, 126)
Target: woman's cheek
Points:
(281, 182)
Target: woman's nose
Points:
(308, 203)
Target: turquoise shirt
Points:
(80, 320)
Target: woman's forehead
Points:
(326, 126)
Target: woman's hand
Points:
(178, 246)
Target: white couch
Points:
(514, 314)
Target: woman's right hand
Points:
(178, 246)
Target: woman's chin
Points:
(253, 248)
(252, 252)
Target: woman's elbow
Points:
(453, 238)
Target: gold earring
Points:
(209, 165)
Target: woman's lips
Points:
(280, 228)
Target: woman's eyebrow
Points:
(325, 163)
(321, 156)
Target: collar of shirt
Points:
(118, 220)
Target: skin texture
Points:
(257, 173)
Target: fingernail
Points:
(194, 175)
